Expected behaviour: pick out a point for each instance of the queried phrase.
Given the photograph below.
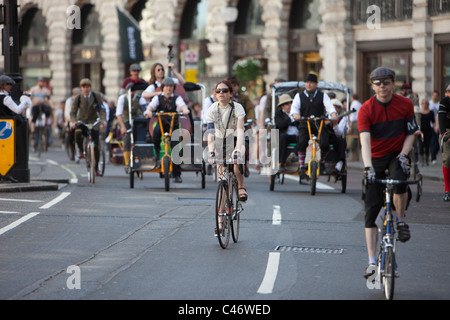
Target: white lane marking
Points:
(270, 276)
(18, 222)
(9, 212)
(319, 185)
(276, 217)
(20, 200)
(74, 178)
(59, 198)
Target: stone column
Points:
(336, 42)
(217, 35)
(422, 57)
(275, 40)
(54, 12)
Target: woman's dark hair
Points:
(227, 83)
(152, 72)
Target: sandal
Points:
(243, 196)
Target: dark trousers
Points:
(285, 140)
(157, 144)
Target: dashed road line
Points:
(270, 276)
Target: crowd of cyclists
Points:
(390, 131)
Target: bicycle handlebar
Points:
(89, 126)
(397, 182)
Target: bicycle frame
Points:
(389, 239)
(167, 136)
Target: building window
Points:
(438, 7)
(305, 15)
(33, 31)
(398, 10)
(90, 33)
(249, 20)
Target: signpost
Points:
(7, 146)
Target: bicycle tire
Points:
(272, 182)
(313, 169)
(235, 214)
(39, 141)
(389, 273)
(102, 162)
(91, 157)
(166, 169)
(222, 216)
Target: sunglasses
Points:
(380, 82)
(224, 90)
(158, 70)
(85, 85)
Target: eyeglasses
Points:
(158, 70)
(224, 90)
(380, 82)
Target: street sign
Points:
(191, 57)
(7, 146)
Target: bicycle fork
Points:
(388, 240)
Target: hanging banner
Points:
(7, 146)
(130, 38)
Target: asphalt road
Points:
(107, 241)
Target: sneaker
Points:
(177, 179)
(98, 173)
(370, 270)
(403, 232)
(80, 155)
(446, 196)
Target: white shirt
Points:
(220, 115)
(355, 105)
(206, 104)
(153, 105)
(296, 104)
(25, 102)
(152, 88)
(121, 104)
(341, 127)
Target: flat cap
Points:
(6, 80)
(135, 67)
(311, 77)
(382, 73)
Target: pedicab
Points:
(142, 148)
(313, 169)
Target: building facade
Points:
(342, 40)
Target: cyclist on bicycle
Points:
(167, 101)
(42, 105)
(87, 107)
(444, 127)
(387, 124)
(225, 120)
(312, 102)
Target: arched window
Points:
(305, 15)
(249, 20)
(90, 32)
(193, 21)
(33, 31)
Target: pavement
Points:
(47, 175)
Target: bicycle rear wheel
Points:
(102, 161)
(389, 273)
(235, 211)
(222, 215)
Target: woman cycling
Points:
(225, 119)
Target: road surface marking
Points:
(270, 276)
(276, 217)
(9, 212)
(319, 185)
(59, 198)
(20, 200)
(18, 222)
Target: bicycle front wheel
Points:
(389, 273)
(313, 175)
(235, 211)
(90, 161)
(222, 215)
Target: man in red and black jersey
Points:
(386, 124)
(444, 128)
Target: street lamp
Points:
(229, 14)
